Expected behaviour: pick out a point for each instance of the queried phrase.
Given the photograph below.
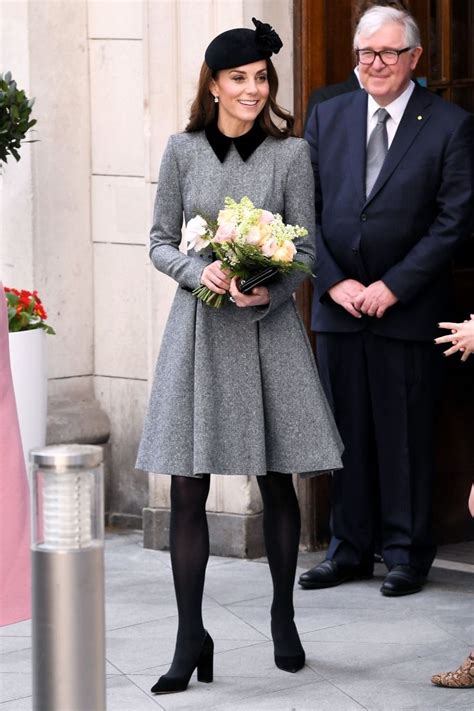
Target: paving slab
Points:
(359, 659)
(23, 704)
(223, 691)
(364, 651)
(19, 629)
(322, 696)
(124, 695)
(15, 686)
(388, 694)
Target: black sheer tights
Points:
(189, 546)
(281, 529)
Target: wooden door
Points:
(323, 55)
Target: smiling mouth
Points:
(248, 103)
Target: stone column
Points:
(120, 222)
(45, 216)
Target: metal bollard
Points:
(68, 578)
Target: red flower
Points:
(25, 311)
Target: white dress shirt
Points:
(395, 109)
(356, 72)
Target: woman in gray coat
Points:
(236, 389)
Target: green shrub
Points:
(15, 121)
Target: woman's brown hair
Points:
(204, 110)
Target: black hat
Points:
(234, 48)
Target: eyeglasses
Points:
(387, 56)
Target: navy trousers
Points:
(384, 394)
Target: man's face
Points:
(384, 82)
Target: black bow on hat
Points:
(266, 38)
(235, 48)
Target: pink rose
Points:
(266, 217)
(253, 236)
(225, 233)
(269, 247)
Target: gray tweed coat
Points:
(236, 390)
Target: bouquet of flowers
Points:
(247, 240)
(25, 311)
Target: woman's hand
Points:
(215, 278)
(461, 338)
(471, 501)
(260, 295)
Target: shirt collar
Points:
(396, 108)
(245, 145)
(356, 72)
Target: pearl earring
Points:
(216, 99)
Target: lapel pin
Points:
(419, 117)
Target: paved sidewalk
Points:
(364, 651)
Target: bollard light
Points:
(68, 578)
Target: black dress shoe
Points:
(289, 654)
(402, 580)
(290, 664)
(330, 573)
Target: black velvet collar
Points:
(245, 144)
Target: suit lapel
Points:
(355, 117)
(415, 117)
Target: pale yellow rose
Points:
(265, 232)
(285, 252)
(226, 216)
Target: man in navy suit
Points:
(352, 83)
(387, 232)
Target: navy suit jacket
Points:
(406, 232)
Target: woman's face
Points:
(242, 93)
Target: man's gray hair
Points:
(377, 17)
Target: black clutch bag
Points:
(257, 279)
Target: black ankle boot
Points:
(168, 684)
(290, 656)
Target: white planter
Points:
(28, 364)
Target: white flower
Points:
(196, 228)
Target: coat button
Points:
(355, 251)
(363, 217)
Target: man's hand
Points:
(375, 299)
(345, 292)
(215, 278)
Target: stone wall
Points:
(112, 80)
